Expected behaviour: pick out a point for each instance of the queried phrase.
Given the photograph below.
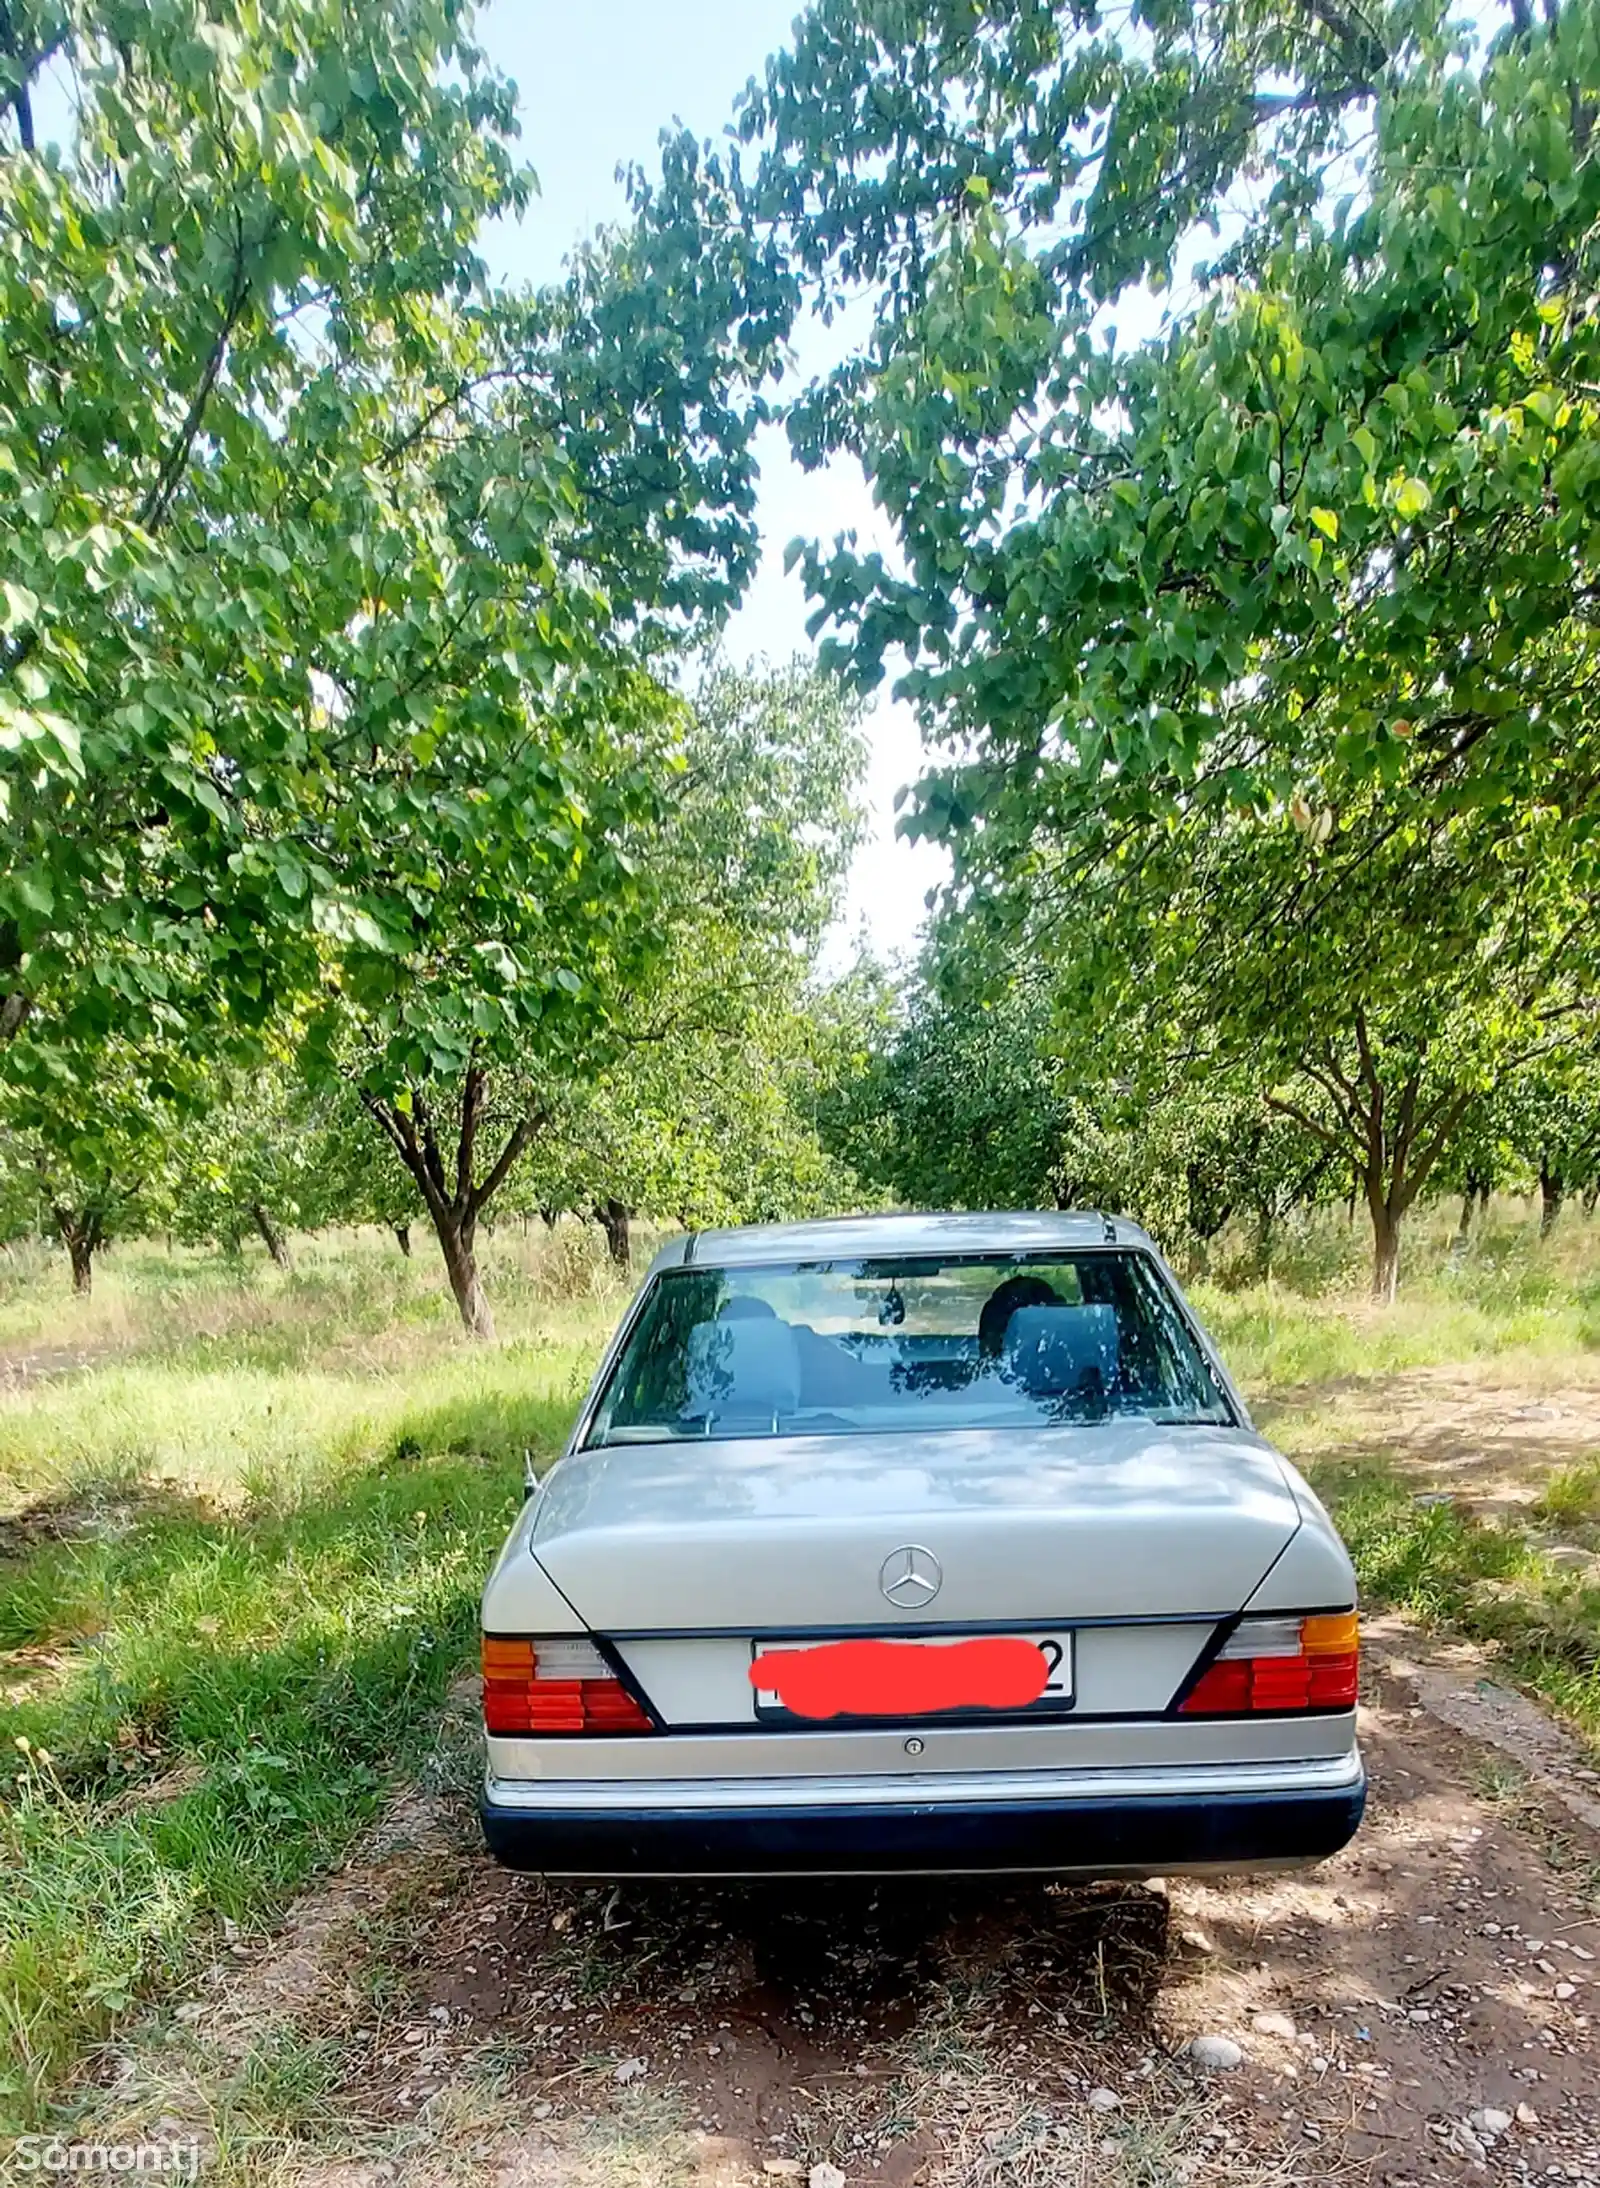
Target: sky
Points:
(596, 85)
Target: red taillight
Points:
(560, 1685)
(1272, 1665)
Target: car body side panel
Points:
(520, 1590)
(1314, 1570)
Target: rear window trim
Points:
(1031, 1256)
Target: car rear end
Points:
(1191, 1608)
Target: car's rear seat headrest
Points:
(1051, 1350)
(743, 1366)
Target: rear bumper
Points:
(1125, 1834)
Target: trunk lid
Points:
(1121, 1519)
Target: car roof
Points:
(861, 1238)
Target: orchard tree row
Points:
(1232, 386)
(1228, 375)
(953, 1100)
(693, 1097)
(376, 836)
(709, 1128)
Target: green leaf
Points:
(1412, 497)
(18, 606)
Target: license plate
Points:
(1055, 1698)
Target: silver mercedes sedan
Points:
(935, 1542)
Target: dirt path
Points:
(1482, 1431)
(23, 1366)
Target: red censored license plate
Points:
(946, 1675)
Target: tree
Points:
(965, 1105)
(1375, 980)
(1551, 1118)
(706, 870)
(1213, 1151)
(1335, 524)
(259, 1155)
(350, 1172)
(90, 1159)
(205, 296)
(714, 1123)
(1477, 1160)
(981, 1095)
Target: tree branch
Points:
(403, 1141)
(472, 1093)
(1339, 1091)
(1310, 1123)
(432, 1160)
(152, 511)
(533, 1123)
(1429, 1155)
(26, 66)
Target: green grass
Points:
(1490, 1580)
(1571, 1497)
(244, 1520)
(251, 1537)
(1510, 1309)
(1507, 1297)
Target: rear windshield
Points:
(857, 1347)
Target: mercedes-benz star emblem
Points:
(910, 1577)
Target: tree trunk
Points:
(1474, 1199)
(276, 1244)
(612, 1217)
(80, 1234)
(402, 1238)
(548, 1217)
(1552, 1192)
(1591, 1193)
(458, 1242)
(454, 1200)
(1400, 1133)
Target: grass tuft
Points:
(1571, 1497)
